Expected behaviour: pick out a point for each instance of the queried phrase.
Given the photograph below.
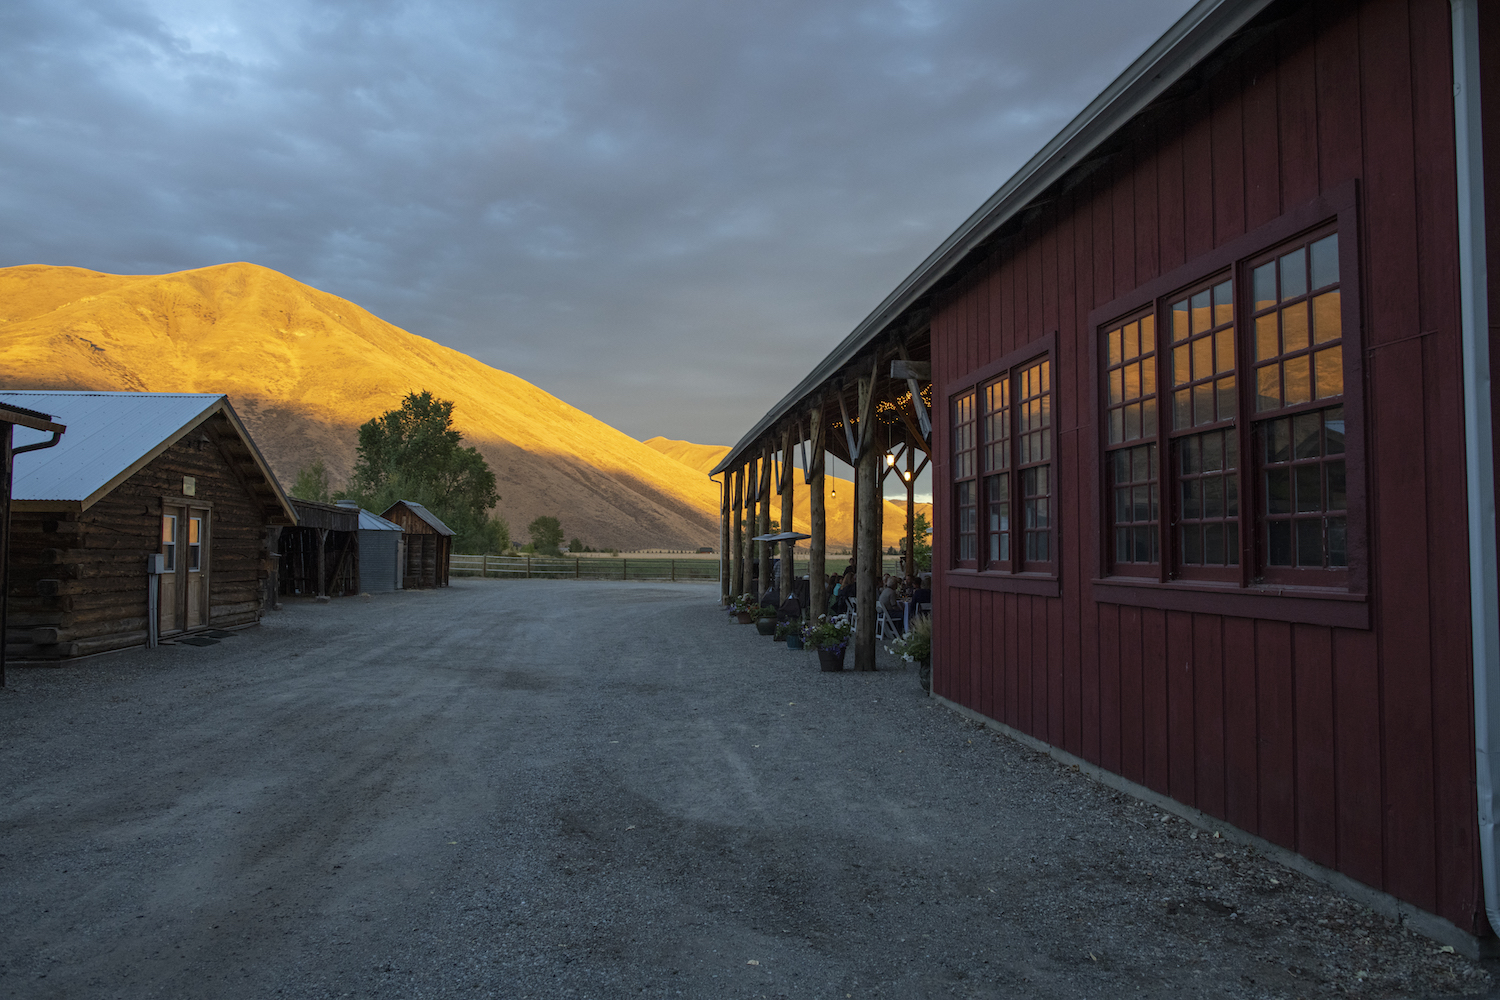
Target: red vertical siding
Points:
(1351, 746)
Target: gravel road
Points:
(598, 790)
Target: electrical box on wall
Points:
(156, 564)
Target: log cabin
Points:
(320, 557)
(426, 544)
(1213, 442)
(138, 475)
(11, 417)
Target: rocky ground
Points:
(561, 789)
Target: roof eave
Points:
(1195, 36)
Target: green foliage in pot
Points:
(827, 633)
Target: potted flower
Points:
(830, 637)
(790, 633)
(742, 606)
(765, 619)
(916, 647)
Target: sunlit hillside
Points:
(305, 369)
(840, 499)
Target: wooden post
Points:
(577, 568)
(763, 549)
(866, 529)
(788, 467)
(322, 563)
(737, 547)
(624, 569)
(911, 514)
(528, 567)
(752, 519)
(725, 498)
(817, 519)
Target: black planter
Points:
(832, 662)
(765, 626)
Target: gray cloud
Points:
(663, 211)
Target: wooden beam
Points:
(725, 499)
(763, 549)
(737, 547)
(866, 538)
(788, 576)
(752, 525)
(817, 518)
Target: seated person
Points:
(887, 597)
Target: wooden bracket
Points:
(923, 418)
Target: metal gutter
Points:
(1479, 443)
(1195, 36)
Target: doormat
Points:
(218, 633)
(198, 640)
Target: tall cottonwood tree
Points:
(413, 453)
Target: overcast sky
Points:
(663, 211)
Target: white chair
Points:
(885, 627)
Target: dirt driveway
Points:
(560, 789)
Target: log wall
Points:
(78, 580)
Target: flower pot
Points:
(924, 675)
(794, 641)
(765, 626)
(744, 617)
(830, 661)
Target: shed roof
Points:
(374, 522)
(426, 515)
(111, 436)
(1197, 35)
(333, 517)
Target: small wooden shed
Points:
(320, 556)
(428, 544)
(138, 475)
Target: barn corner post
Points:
(788, 578)
(737, 548)
(867, 528)
(817, 518)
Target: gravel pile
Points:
(560, 789)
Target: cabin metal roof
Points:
(1199, 33)
(110, 437)
(426, 515)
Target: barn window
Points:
(1003, 483)
(965, 490)
(1253, 484)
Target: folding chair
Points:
(885, 628)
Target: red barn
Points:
(1213, 444)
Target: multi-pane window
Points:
(1253, 486)
(995, 399)
(1034, 461)
(965, 490)
(1007, 470)
(1130, 364)
(1299, 368)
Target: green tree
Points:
(922, 542)
(547, 535)
(413, 453)
(312, 483)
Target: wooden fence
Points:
(613, 568)
(592, 568)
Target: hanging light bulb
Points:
(890, 459)
(906, 474)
